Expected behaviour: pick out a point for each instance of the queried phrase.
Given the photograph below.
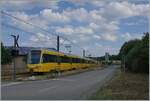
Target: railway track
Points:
(29, 76)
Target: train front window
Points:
(35, 57)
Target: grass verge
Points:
(125, 86)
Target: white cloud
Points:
(84, 38)
(79, 14)
(51, 16)
(104, 19)
(94, 26)
(83, 15)
(20, 5)
(123, 9)
(42, 40)
(74, 41)
(34, 19)
(95, 15)
(39, 37)
(109, 37)
(99, 45)
(141, 10)
(109, 27)
(96, 36)
(68, 30)
(127, 36)
(84, 30)
(98, 3)
(65, 30)
(118, 10)
(78, 24)
(136, 22)
(23, 16)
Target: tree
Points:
(136, 54)
(127, 46)
(144, 52)
(5, 55)
(132, 58)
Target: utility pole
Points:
(58, 43)
(14, 53)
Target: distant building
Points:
(106, 57)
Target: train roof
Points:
(63, 54)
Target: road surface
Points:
(72, 87)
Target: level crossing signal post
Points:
(14, 53)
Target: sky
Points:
(98, 26)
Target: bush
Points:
(5, 55)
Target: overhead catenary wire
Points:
(42, 29)
(21, 20)
(20, 29)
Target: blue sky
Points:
(98, 26)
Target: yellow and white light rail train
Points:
(42, 60)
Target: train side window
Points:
(78, 60)
(65, 59)
(58, 59)
(73, 60)
(45, 59)
(49, 58)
